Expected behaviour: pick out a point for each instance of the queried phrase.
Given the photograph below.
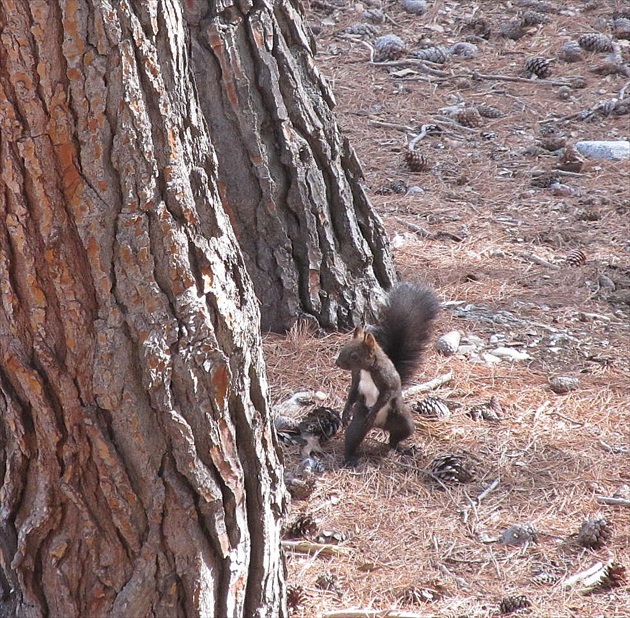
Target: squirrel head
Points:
(360, 352)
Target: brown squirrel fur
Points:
(375, 396)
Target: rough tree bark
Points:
(138, 471)
(312, 243)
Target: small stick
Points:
(428, 386)
(412, 62)
(391, 125)
(306, 547)
(460, 581)
(369, 613)
(530, 257)
(613, 501)
(510, 78)
(417, 229)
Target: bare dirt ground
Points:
(475, 226)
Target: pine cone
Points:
(541, 67)
(432, 407)
(328, 581)
(488, 111)
(438, 55)
(322, 423)
(396, 186)
(303, 526)
(553, 143)
(416, 161)
(571, 160)
(544, 578)
(594, 533)
(374, 16)
(575, 257)
(388, 47)
(295, 598)
(300, 489)
(533, 18)
(362, 29)
(596, 42)
(520, 534)
(448, 343)
(621, 28)
(513, 604)
(544, 180)
(571, 52)
(490, 411)
(416, 7)
(416, 595)
(463, 49)
(512, 30)
(480, 27)
(563, 384)
(469, 117)
(452, 469)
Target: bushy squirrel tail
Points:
(404, 327)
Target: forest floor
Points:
(484, 225)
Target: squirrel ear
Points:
(369, 340)
(358, 332)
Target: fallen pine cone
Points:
(594, 533)
(416, 161)
(596, 42)
(576, 257)
(513, 604)
(541, 67)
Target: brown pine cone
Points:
(432, 407)
(541, 67)
(488, 111)
(513, 604)
(416, 161)
(439, 54)
(575, 257)
(553, 143)
(480, 27)
(295, 598)
(594, 533)
(469, 117)
(533, 18)
(621, 28)
(544, 180)
(303, 526)
(513, 30)
(490, 411)
(388, 47)
(452, 469)
(596, 42)
(571, 51)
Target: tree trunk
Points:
(313, 244)
(138, 471)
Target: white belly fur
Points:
(368, 389)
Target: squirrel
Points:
(382, 359)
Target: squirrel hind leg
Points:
(400, 426)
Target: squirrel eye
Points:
(354, 356)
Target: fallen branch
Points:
(416, 229)
(307, 547)
(428, 386)
(474, 502)
(392, 125)
(369, 613)
(613, 501)
(413, 62)
(530, 257)
(526, 80)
